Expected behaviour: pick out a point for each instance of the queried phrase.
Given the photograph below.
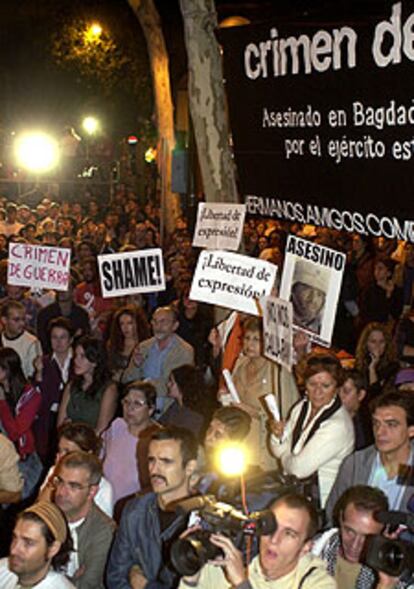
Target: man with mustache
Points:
(140, 554)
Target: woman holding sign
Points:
(319, 433)
(255, 376)
(90, 396)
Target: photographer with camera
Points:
(284, 560)
(148, 527)
(362, 553)
(342, 547)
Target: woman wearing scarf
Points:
(319, 433)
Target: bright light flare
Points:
(37, 152)
(90, 125)
(93, 32)
(231, 459)
(150, 155)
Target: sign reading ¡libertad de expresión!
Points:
(232, 280)
(131, 272)
(219, 225)
(325, 131)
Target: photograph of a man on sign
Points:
(308, 296)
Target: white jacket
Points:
(323, 453)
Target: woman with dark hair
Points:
(52, 374)
(319, 433)
(19, 404)
(126, 441)
(90, 396)
(185, 388)
(383, 300)
(376, 358)
(129, 327)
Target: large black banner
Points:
(322, 117)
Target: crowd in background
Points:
(93, 384)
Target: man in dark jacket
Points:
(139, 556)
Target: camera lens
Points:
(189, 554)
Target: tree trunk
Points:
(207, 101)
(149, 20)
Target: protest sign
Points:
(38, 266)
(131, 272)
(311, 154)
(219, 225)
(311, 280)
(277, 330)
(232, 280)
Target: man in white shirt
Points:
(15, 336)
(39, 548)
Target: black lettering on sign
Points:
(106, 271)
(131, 272)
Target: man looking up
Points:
(76, 483)
(157, 356)
(386, 464)
(140, 551)
(38, 551)
(284, 560)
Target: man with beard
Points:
(140, 554)
(154, 358)
(39, 549)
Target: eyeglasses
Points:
(57, 481)
(133, 404)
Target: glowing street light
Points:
(93, 32)
(90, 125)
(37, 152)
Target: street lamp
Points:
(37, 152)
(90, 125)
(93, 33)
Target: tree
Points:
(149, 20)
(207, 101)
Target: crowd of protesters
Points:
(111, 410)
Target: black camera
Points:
(393, 557)
(188, 555)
